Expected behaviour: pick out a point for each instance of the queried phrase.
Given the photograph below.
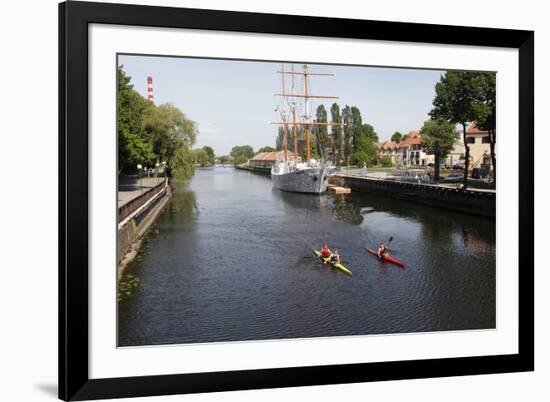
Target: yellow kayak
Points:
(334, 264)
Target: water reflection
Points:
(232, 261)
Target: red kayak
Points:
(388, 258)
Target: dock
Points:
(339, 189)
(471, 201)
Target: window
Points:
(471, 140)
(486, 140)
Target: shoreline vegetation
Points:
(152, 135)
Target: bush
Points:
(359, 158)
(386, 161)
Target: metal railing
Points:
(131, 206)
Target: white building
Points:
(408, 152)
(480, 145)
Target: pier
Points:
(472, 201)
(338, 189)
(263, 170)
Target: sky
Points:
(233, 102)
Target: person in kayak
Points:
(325, 251)
(383, 251)
(335, 257)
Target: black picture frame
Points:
(74, 18)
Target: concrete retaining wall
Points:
(255, 169)
(469, 201)
(131, 232)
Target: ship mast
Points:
(306, 118)
(294, 117)
(285, 126)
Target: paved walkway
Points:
(382, 175)
(130, 187)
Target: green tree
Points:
(279, 141)
(485, 113)
(242, 153)
(356, 125)
(200, 157)
(266, 149)
(321, 132)
(336, 130)
(211, 156)
(438, 138)
(172, 131)
(224, 159)
(361, 158)
(396, 137)
(347, 131)
(182, 164)
(456, 94)
(134, 145)
(386, 161)
(367, 131)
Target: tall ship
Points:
(289, 173)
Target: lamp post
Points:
(164, 170)
(157, 171)
(139, 175)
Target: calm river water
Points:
(231, 260)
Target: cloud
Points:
(209, 130)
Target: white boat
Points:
(309, 177)
(289, 174)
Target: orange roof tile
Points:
(474, 129)
(271, 156)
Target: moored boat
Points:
(290, 173)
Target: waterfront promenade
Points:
(140, 202)
(130, 187)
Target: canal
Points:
(231, 259)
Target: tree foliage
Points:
(321, 132)
(336, 130)
(279, 141)
(485, 112)
(265, 149)
(211, 156)
(135, 146)
(148, 134)
(440, 134)
(182, 164)
(242, 153)
(200, 157)
(457, 94)
(396, 137)
(386, 161)
(347, 130)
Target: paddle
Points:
(389, 241)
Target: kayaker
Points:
(325, 251)
(382, 251)
(335, 257)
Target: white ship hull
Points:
(312, 180)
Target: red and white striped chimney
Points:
(150, 88)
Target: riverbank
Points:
(140, 202)
(481, 202)
(266, 171)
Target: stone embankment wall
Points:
(476, 202)
(136, 223)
